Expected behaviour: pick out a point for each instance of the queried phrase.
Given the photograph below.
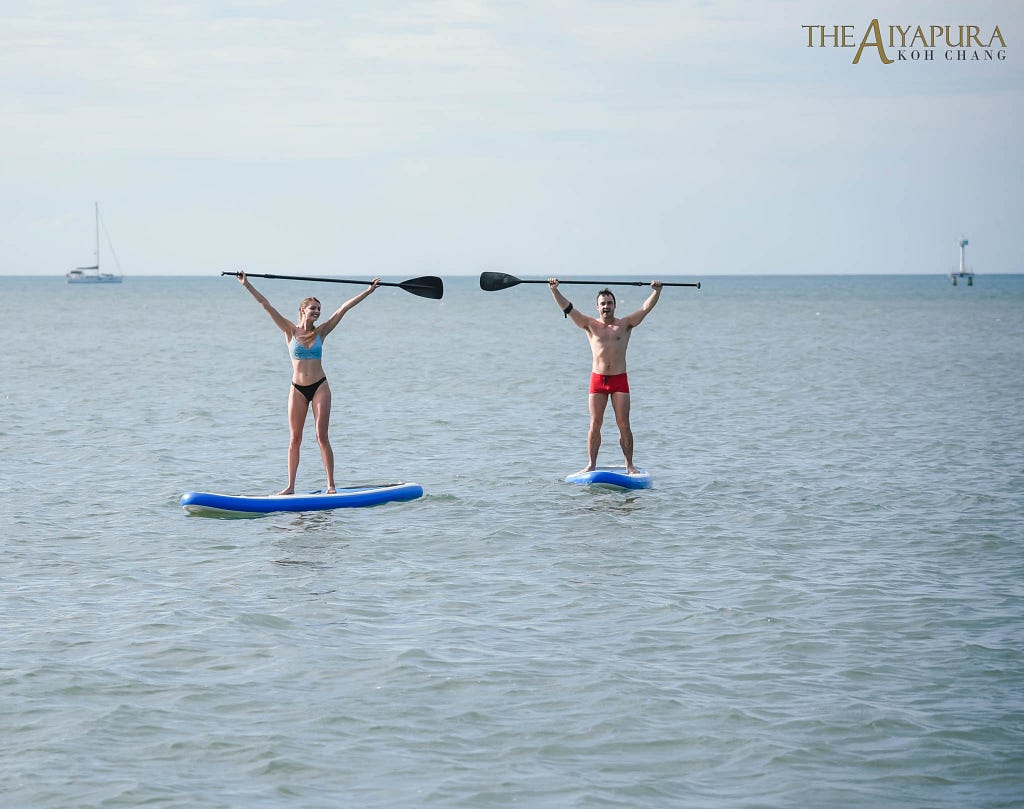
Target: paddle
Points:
(426, 286)
(493, 281)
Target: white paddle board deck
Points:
(613, 477)
(209, 504)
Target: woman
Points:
(309, 383)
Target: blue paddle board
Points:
(613, 477)
(208, 504)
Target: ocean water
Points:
(819, 604)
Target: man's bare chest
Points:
(613, 335)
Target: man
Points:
(608, 337)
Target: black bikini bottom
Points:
(308, 390)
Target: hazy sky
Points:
(571, 137)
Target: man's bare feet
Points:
(286, 491)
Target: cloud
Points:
(254, 81)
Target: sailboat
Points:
(93, 274)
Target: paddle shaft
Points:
(313, 278)
(427, 286)
(615, 283)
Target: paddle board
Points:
(208, 504)
(615, 477)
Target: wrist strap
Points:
(567, 309)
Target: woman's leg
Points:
(298, 407)
(322, 416)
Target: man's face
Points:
(606, 306)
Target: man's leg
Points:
(620, 404)
(598, 403)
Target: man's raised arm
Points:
(638, 316)
(566, 306)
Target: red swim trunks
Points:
(609, 383)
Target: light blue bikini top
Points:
(300, 352)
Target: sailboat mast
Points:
(97, 206)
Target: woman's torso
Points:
(306, 352)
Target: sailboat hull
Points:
(75, 277)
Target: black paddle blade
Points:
(426, 286)
(493, 281)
